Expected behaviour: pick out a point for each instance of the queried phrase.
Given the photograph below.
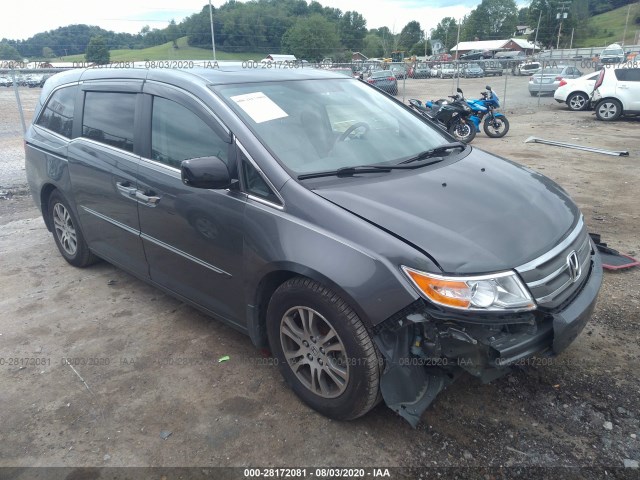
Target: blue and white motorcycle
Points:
(494, 123)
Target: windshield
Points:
(381, 74)
(320, 125)
(613, 51)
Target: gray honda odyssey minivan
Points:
(377, 258)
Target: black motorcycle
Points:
(450, 115)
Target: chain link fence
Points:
(424, 80)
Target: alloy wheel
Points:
(314, 351)
(65, 231)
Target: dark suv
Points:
(318, 215)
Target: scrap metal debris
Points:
(612, 259)
(615, 153)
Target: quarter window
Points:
(254, 184)
(178, 134)
(628, 74)
(109, 118)
(57, 116)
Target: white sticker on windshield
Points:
(259, 107)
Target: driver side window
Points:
(178, 134)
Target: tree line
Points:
(312, 31)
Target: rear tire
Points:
(67, 233)
(323, 349)
(608, 110)
(578, 101)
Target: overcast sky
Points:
(22, 20)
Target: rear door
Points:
(192, 237)
(103, 162)
(628, 88)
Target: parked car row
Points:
(30, 80)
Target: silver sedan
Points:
(548, 80)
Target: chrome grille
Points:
(549, 277)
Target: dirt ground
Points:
(100, 369)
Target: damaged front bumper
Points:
(425, 349)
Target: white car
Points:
(527, 68)
(617, 91)
(576, 92)
(447, 70)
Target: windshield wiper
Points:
(434, 151)
(348, 171)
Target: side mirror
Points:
(488, 87)
(205, 172)
(459, 90)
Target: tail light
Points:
(370, 80)
(562, 82)
(559, 79)
(391, 79)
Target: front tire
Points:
(67, 233)
(323, 349)
(578, 101)
(497, 128)
(608, 110)
(463, 132)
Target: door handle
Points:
(147, 198)
(126, 189)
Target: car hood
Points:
(476, 215)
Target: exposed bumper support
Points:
(423, 354)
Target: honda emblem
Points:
(573, 263)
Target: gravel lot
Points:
(146, 365)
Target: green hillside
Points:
(608, 27)
(166, 51)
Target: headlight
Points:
(496, 292)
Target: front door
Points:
(192, 237)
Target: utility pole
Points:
(561, 15)
(458, 40)
(213, 40)
(571, 43)
(624, 37)
(535, 40)
(424, 34)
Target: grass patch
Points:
(608, 28)
(166, 51)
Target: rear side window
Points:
(109, 118)
(178, 134)
(628, 74)
(57, 115)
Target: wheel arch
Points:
(270, 281)
(45, 194)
